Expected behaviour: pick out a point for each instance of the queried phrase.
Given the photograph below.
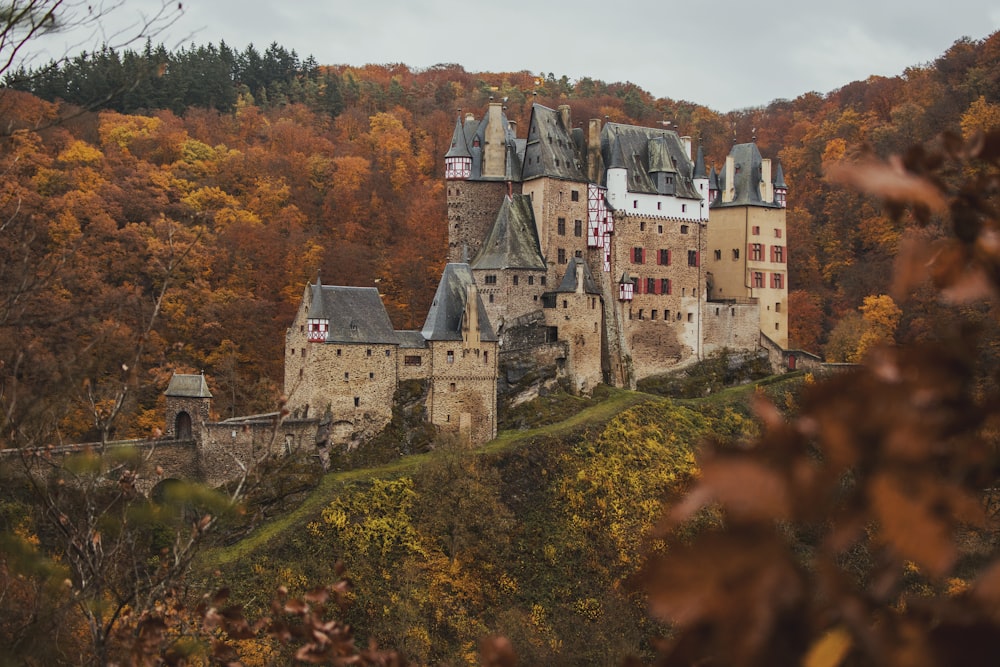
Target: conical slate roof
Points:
(444, 320)
(699, 165)
(779, 178)
(513, 241)
(459, 146)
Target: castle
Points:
(608, 254)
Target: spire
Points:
(779, 178)
(459, 148)
(699, 165)
(617, 159)
(316, 309)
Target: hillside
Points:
(533, 537)
(200, 216)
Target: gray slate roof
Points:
(551, 150)
(475, 138)
(779, 178)
(444, 320)
(568, 283)
(513, 241)
(188, 386)
(355, 314)
(459, 147)
(646, 150)
(748, 178)
(411, 340)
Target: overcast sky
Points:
(726, 55)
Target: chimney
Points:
(564, 115)
(494, 139)
(729, 194)
(687, 145)
(578, 267)
(766, 182)
(472, 315)
(594, 150)
(512, 124)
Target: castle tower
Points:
(458, 159)
(701, 179)
(780, 188)
(747, 240)
(189, 403)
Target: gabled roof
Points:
(355, 314)
(188, 386)
(645, 150)
(513, 241)
(409, 339)
(568, 283)
(444, 320)
(551, 150)
(747, 179)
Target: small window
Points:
(690, 317)
(758, 279)
(777, 281)
(491, 298)
(756, 252)
(642, 226)
(664, 286)
(755, 230)
(451, 357)
(578, 228)
(490, 280)
(635, 203)
(684, 208)
(777, 307)
(565, 303)
(684, 229)
(412, 360)
(338, 351)
(640, 314)
(303, 353)
(652, 314)
(693, 258)
(659, 229)
(388, 353)
(718, 255)
(659, 206)
(451, 386)
(638, 256)
(531, 280)
(663, 259)
(302, 328)
(486, 356)
(347, 376)
(650, 285)
(368, 352)
(736, 254)
(574, 195)
(515, 279)
(542, 280)
(357, 401)
(578, 253)
(777, 232)
(560, 226)
(561, 254)
(371, 376)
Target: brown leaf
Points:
(887, 181)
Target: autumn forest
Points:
(161, 212)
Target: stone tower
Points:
(188, 405)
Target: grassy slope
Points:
(617, 401)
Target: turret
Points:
(780, 188)
(458, 159)
(317, 320)
(626, 286)
(713, 186)
(617, 175)
(700, 177)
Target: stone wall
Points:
(511, 293)
(661, 326)
(732, 325)
(577, 319)
(552, 200)
(463, 393)
(527, 372)
(228, 448)
(472, 210)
